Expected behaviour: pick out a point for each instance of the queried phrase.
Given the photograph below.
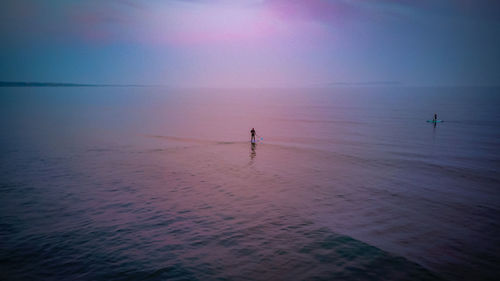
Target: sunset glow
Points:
(252, 43)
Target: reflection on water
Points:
(253, 153)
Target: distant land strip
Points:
(367, 83)
(52, 84)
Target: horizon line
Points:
(325, 85)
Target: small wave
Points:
(182, 139)
(319, 121)
(195, 140)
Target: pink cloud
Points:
(317, 10)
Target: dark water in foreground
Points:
(162, 184)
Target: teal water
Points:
(163, 184)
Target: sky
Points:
(251, 43)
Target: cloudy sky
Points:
(256, 43)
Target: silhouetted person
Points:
(435, 117)
(253, 135)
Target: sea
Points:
(160, 183)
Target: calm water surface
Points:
(163, 184)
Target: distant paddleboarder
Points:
(253, 135)
(435, 119)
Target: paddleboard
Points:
(435, 121)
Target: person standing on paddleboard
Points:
(253, 135)
(435, 117)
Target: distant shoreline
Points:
(52, 84)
